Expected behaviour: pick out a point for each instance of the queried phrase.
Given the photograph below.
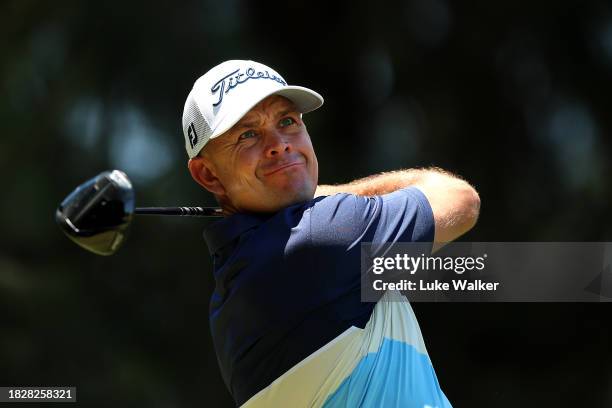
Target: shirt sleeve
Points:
(347, 220)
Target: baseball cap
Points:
(223, 95)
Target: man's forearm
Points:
(379, 184)
(455, 204)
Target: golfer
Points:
(286, 316)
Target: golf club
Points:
(97, 214)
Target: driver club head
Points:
(97, 214)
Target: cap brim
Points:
(306, 100)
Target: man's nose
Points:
(277, 143)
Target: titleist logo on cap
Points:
(233, 79)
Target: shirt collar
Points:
(222, 232)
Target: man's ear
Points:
(202, 172)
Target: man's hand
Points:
(455, 204)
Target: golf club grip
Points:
(181, 211)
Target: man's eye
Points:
(288, 121)
(247, 135)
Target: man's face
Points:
(263, 163)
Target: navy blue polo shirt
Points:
(288, 283)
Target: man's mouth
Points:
(282, 167)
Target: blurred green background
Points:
(513, 96)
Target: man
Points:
(287, 322)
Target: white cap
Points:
(223, 95)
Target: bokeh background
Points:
(515, 96)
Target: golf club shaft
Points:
(181, 211)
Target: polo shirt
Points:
(287, 284)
